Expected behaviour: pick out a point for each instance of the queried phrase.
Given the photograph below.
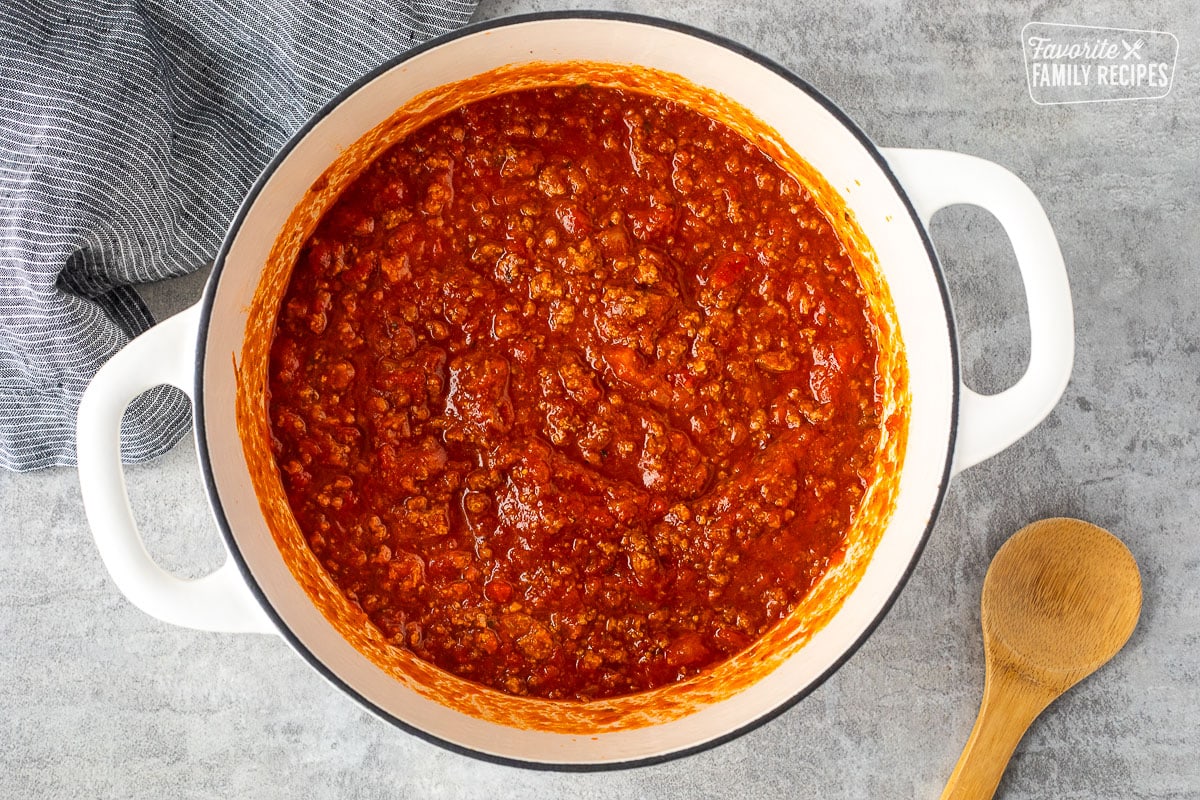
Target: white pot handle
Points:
(935, 179)
(220, 601)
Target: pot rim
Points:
(235, 225)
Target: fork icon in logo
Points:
(1132, 49)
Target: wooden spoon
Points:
(1060, 599)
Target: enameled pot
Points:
(892, 195)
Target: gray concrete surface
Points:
(98, 700)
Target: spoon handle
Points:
(1010, 703)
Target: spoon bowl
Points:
(1060, 599)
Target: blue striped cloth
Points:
(130, 131)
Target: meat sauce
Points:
(574, 392)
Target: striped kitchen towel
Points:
(130, 130)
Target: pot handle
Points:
(220, 601)
(935, 179)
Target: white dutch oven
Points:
(892, 194)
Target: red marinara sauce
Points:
(573, 392)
